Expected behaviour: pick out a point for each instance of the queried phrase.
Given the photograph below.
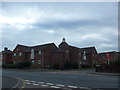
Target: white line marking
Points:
(50, 83)
(35, 84)
(41, 82)
(33, 81)
(28, 83)
(44, 85)
(54, 87)
(84, 88)
(60, 85)
(72, 86)
(27, 80)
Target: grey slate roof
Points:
(7, 51)
(36, 48)
(63, 44)
(88, 49)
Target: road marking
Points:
(33, 81)
(84, 88)
(27, 80)
(72, 86)
(44, 85)
(60, 85)
(50, 83)
(54, 87)
(41, 82)
(28, 83)
(35, 84)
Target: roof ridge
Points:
(41, 45)
(88, 47)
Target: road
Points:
(67, 79)
(9, 82)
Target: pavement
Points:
(83, 71)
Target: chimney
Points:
(5, 48)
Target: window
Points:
(67, 51)
(79, 53)
(39, 61)
(80, 62)
(84, 55)
(20, 54)
(32, 53)
(14, 54)
(40, 52)
(33, 62)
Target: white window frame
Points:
(80, 62)
(40, 52)
(67, 51)
(79, 53)
(84, 56)
(33, 61)
(39, 61)
(32, 54)
(14, 54)
(20, 54)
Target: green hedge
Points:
(56, 66)
(7, 66)
(20, 65)
(23, 65)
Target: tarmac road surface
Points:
(67, 79)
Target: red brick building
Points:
(6, 56)
(68, 53)
(47, 55)
(40, 56)
(107, 57)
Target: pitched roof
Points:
(36, 48)
(88, 49)
(63, 44)
(7, 51)
(104, 53)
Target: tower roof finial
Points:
(63, 40)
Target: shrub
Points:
(23, 65)
(116, 63)
(74, 66)
(86, 66)
(56, 66)
(67, 65)
(9, 66)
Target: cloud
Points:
(82, 24)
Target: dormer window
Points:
(40, 52)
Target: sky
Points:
(83, 24)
